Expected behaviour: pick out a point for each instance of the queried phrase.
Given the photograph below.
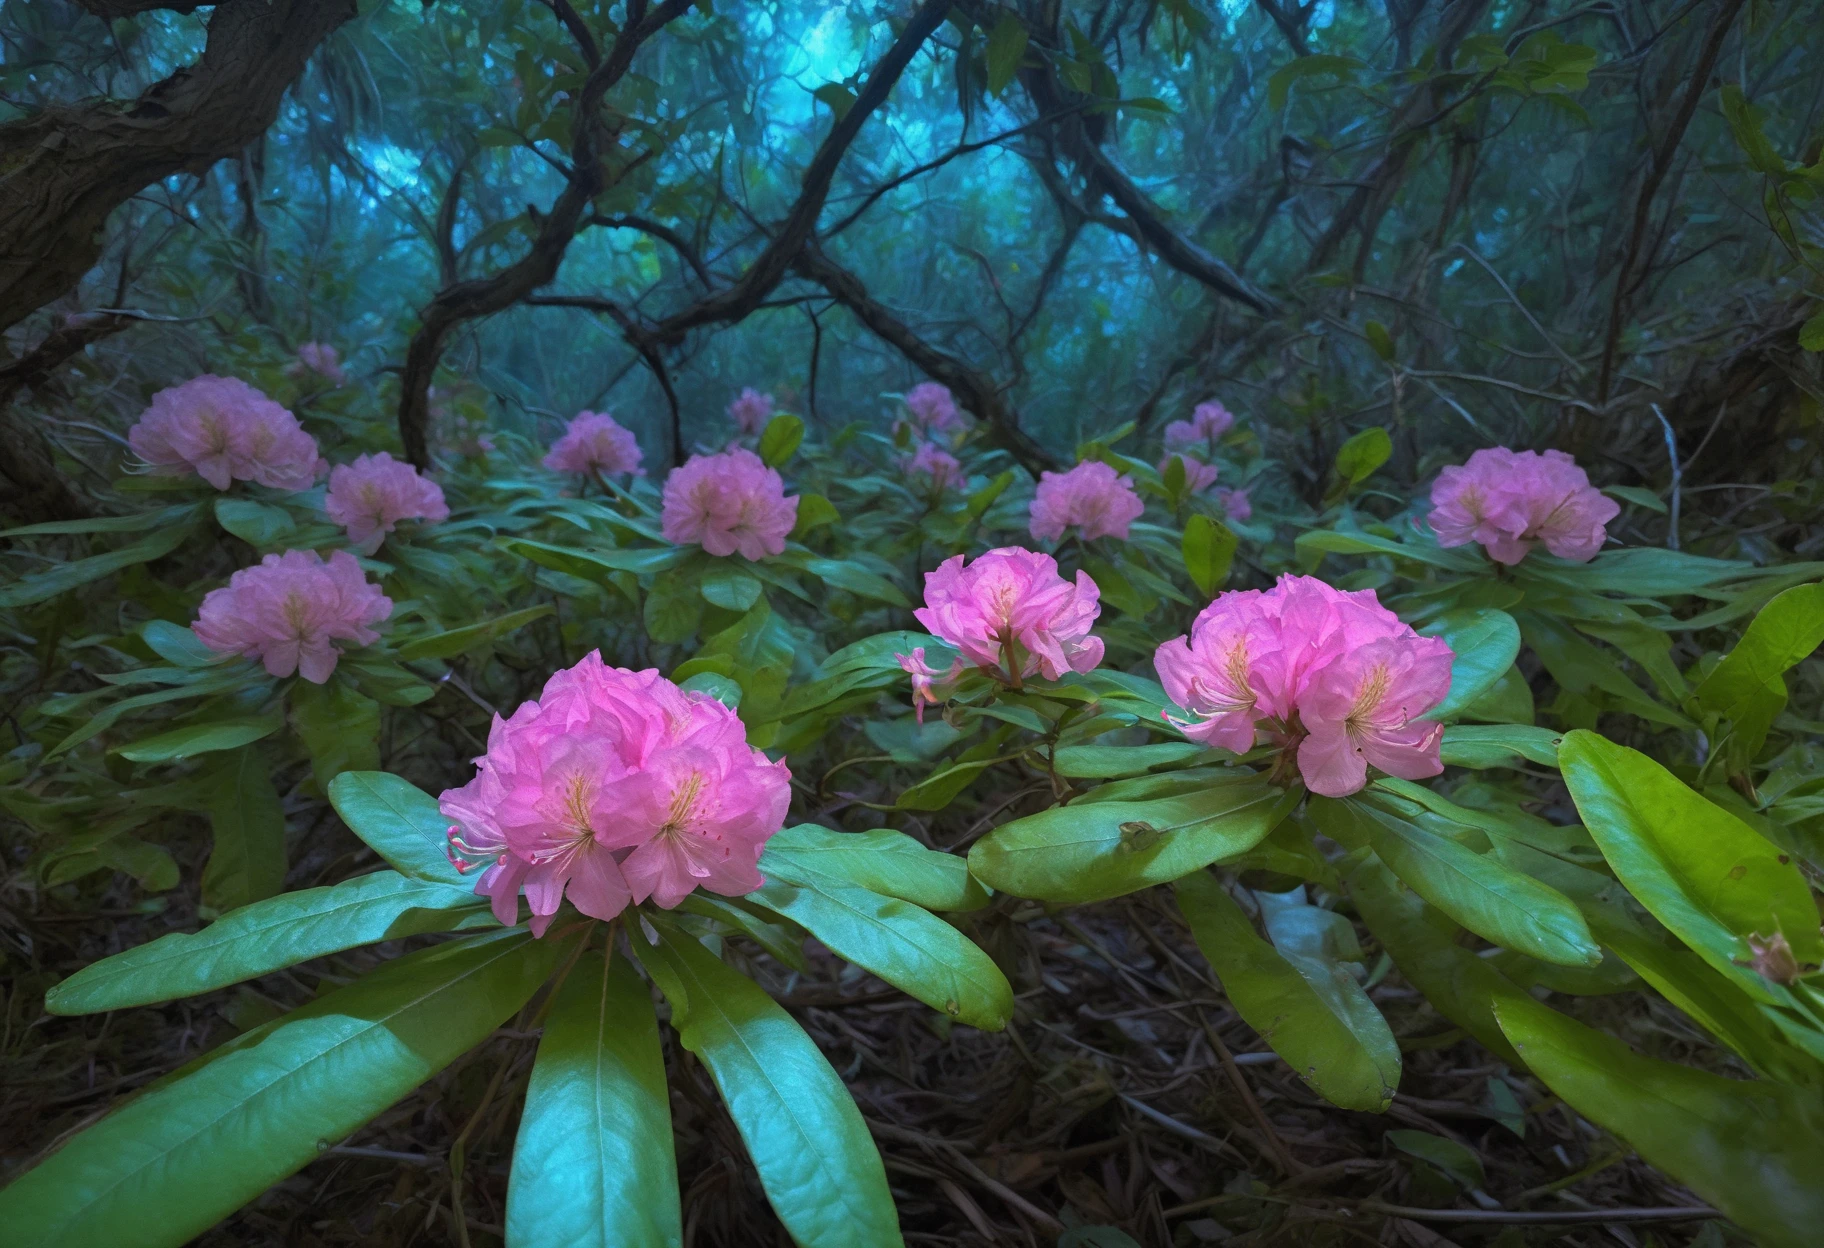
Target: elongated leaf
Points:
(1749, 687)
(595, 565)
(1006, 49)
(1492, 900)
(1751, 1149)
(880, 859)
(1499, 745)
(339, 726)
(399, 821)
(1088, 851)
(197, 685)
(267, 936)
(849, 575)
(63, 577)
(1313, 546)
(1106, 762)
(222, 734)
(807, 1139)
(910, 948)
(196, 1147)
(594, 1165)
(780, 439)
(1208, 548)
(1485, 643)
(248, 861)
(1709, 877)
(259, 525)
(138, 522)
(178, 645)
(1309, 1009)
(457, 641)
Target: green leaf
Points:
(779, 441)
(1639, 497)
(816, 1160)
(1748, 687)
(838, 97)
(267, 936)
(729, 588)
(1089, 851)
(880, 859)
(63, 577)
(940, 788)
(1359, 457)
(1006, 49)
(1499, 745)
(1750, 1149)
(814, 511)
(1307, 1007)
(247, 863)
(1379, 340)
(1508, 701)
(1485, 643)
(1209, 551)
(910, 948)
(1446, 1154)
(980, 501)
(673, 608)
(222, 734)
(194, 1148)
(1108, 762)
(138, 522)
(1279, 86)
(1492, 900)
(722, 688)
(399, 821)
(176, 644)
(457, 641)
(340, 728)
(597, 565)
(594, 1165)
(259, 525)
(1811, 333)
(846, 574)
(1709, 877)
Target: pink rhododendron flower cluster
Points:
(1010, 614)
(614, 787)
(319, 358)
(1511, 501)
(225, 431)
(1208, 422)
(1235, 504)
(751, 411)
(595, 442)
(1198, 476)
(287, 610)
(727, 503)
(1091, 496)
(931, 409)
(372, 495)
(938, 467)
(1333, 678)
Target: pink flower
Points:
(932, 409)
(372, 495)
(1512, 500)
(727, 503)
(225, 431)
(614, 787)
(1011, 614)
(1234, 504)
(938, 466)
(1092, 496)
(595, 442)
(751, 411)
(1198, 476)
(1208, 422)
(929, 686)
(286, 610)
(1334, 679)
(319, 358)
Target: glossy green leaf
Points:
(1307, 1007)
(814, 511)
(1499, 745)
(222, 734)
(729, 588)
(179, 645)
(247, 863)
(455, 641)
(1748, 687)
(63, 577)
(1508, 701)
(195, 1147)
(1709, 877)
(1582, 668)
(1489, 898)
(779, 440)
(1751, 1149)
(816, 1160)
(260, 525)
(594, 1165)
(879, 859)
(1361, 455)
(596, 565)
(1485, 643)
(909, 947)
(1209, 551)
(339, 726)
(849, 575)
(399, 821)
(1089, 851)
(1108, 762)
(267, 936)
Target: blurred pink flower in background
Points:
(751, 411)
(319, 358)
(225, 431)
(614, 787)
(1235, 504)
(1011, 614)
(1198, 476)
(1208, 422)
(1092, 496)
(595, 442)
(938, 466)
(287, 609)
(372, 495)
(1511, 501)
(1336, 680)
(931, 409)
(727, 503)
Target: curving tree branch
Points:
(33, 490)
